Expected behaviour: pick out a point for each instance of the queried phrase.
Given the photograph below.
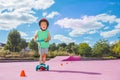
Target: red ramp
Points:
(72, 58)
(66, 58)
(59, 58)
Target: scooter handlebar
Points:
(39, 40)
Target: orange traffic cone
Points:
(66, 62)
(61, 64)
(22, 73)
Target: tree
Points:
(101, 48)
(72, 48)
(53, 47)
(75, 49)
(33, 45)
(116, 48)
(23, 44)
(61, 46)
(13, 41)
(84, 49)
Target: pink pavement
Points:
(71, 70)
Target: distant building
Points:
(26, 49)
(2, 44)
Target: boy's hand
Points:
(35, 37)
(46, 40)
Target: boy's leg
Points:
(40, 53)
(44, 52)
(40, 59)
(44, 57)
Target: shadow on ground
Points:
(78, 72)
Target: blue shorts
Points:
(43, 50)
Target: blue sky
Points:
(70, 20)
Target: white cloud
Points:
(63, 38)
(52, 14)
(29, 38)
(113, 42)
(28, 4)
(117, 26)
(77, 32)
(106, 28)
(89, 24)
(23, 34)
(86, 41)
(118, 20)
(44, 14)
(13, 19)
(112, 3)
(88, 38)
(17, 12)
(80, 26)
(92, 31)
(110, 33)
(113, 32)
(106, 18)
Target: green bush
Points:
(3, 53)
(33, 54)
(52, 54)
(109, 57)
(1, 48)
(13, 55)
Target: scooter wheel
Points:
(48, 68)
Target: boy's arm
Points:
(35, 37)
(49, 38)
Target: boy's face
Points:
(43, 25)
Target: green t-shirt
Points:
(41, 36)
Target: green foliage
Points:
(116, 48)
(84, 49)
(33, 45)
(34, 54)
(13, 55)
(13, 41)
(71, 48)
(23, 44)
(101, 48)
(3, 53)
(52, 54)
(61, 46)
(109, 57)
(53, 47)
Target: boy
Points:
(45, 37)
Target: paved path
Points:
(75, 70)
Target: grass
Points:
(33, 55)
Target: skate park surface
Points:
(63, 68)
